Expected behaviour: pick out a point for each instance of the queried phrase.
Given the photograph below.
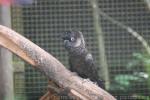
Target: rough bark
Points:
(51, 67)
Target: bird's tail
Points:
(101, 83)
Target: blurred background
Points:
(116, 33)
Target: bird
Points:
(80, 59)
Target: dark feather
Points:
(80, 60)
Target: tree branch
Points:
(50, 66)
(129, 30)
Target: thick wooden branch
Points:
(50, 66)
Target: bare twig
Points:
(128, 29)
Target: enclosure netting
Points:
(127, 59)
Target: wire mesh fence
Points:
(126, 57)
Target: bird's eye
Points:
(72, 38)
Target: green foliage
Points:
(124, 80)
(145, 59)
(143, 97)
(136, 72)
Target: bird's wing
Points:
(92, 69)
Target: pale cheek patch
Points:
(78, 43)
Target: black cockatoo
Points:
(81, 61)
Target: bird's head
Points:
(73, 39)
(70, 36)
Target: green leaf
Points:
(125, 80)
(138, 56)
(132, 64)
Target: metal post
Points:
(6, 69)
(100, 37)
